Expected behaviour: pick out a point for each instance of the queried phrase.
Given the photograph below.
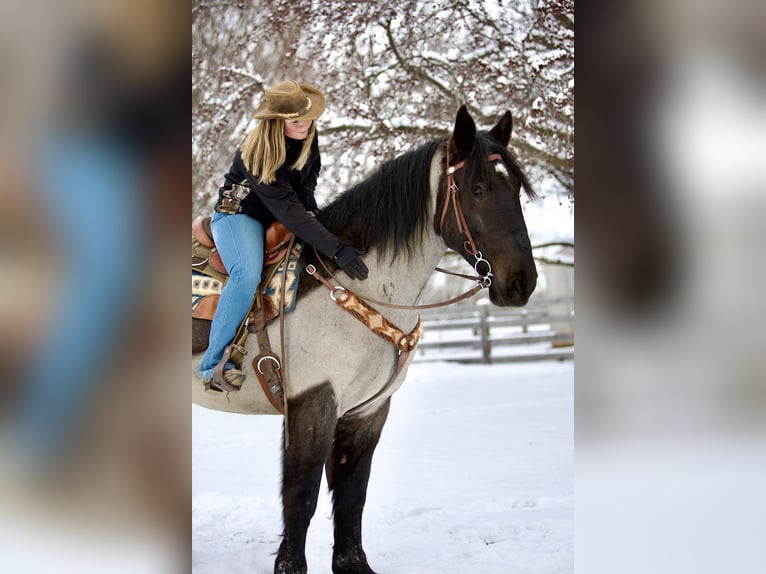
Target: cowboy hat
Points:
(290, 100)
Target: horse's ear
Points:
(465, 131)
(502, 131)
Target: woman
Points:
(272, 178)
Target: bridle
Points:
(452, 197)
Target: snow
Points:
(551, 219)
(473, 473)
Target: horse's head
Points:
(479, 209)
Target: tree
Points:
(394, 74)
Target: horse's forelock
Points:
(486, 146)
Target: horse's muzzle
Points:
(516, 291)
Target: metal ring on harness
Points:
(269, 357)
(332, 293)
(485, 279)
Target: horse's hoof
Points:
(283, 565)
(351, 564)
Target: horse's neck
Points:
(401, 280)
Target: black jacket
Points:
(288, 198)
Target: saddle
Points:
(279, 280)
(209, 274)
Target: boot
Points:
(232, 382)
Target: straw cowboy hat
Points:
(290, 100)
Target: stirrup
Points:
(231, 381)
(211, 389)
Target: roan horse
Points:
(403, 219)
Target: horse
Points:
(460, 192)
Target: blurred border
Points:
(95, 420)
(669, 386)
(670, 396)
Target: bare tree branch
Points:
(393, 75)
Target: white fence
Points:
(487, 334)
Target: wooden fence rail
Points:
(488, 334)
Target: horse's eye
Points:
(478, 191)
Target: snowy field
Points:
(473, 474)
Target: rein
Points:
(311, 270)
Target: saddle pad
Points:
(205, 286)
(273, 289)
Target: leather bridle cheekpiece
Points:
(451, 197)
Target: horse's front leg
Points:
(348, 473)
(311, 418)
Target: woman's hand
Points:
(310, 203)
(348, 259)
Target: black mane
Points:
(389, 209)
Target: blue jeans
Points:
(240, 241)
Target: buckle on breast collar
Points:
(270, 358)
(340, 290)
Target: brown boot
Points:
(232, 382)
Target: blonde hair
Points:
(264, 150)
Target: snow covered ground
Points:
(473, 474)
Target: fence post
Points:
(524, 321)
(486, 348)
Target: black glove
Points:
(310, 202)
(348, 259)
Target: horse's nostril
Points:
(515, 289)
